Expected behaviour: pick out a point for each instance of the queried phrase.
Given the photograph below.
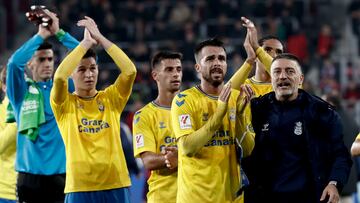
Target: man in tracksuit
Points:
(299, 154)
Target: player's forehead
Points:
(44, 53)
(273, 43)
(172, 62)
(284, 63)
(212, 51)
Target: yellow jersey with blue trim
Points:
(212, 174)
(152, 132)
(90, 128)
(259, 88)
(8, 175)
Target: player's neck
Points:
(165, 98)
(86, 93)
(210, 89)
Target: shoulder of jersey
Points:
(139, 113)
(180, 98)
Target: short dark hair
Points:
(90, 53)
(45, 45)
(161, 55)
(209, 42)
(288, 56)
(268, 37)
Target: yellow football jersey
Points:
(90, 129)
(358, 137)
(7, 155)
(152, 131)
(212, 174)
(259, 88)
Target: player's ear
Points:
(197, 67)
(154, 74)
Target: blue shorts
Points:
(103, 196)
(7, 201)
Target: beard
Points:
(214, 82)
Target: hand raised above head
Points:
(251, 30)
(54, 21)
(91, 26)
(88, 40)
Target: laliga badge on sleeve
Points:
(139, 140)
(185, 121)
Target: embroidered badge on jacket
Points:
(265, 127)
(298, 128)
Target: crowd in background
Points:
(314, 30)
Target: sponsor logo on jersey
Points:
(92, 126)
(185, 121)
(221, 138)
(33, 90)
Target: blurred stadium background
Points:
(324, 34)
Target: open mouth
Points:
(284, 84)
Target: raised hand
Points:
(251, 55)
(251, 30)
(225, 93)
(88, 40)
(92, 27)
(246, 94)
(54, 25)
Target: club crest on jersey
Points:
(139, 138)
(185, 121)
(298, 128)
(162, 125)
(265, 127)
(101, 106)
(205, 116)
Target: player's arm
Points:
(245, 134)
(67, 66)
(261, 54)
(243, 73)
(355, 147)
(128, 71)
(265, 58)
(193, 142)
(153, 161)
(16, 84)
(144, 142)
(7, 136)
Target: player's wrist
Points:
(60, 34)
